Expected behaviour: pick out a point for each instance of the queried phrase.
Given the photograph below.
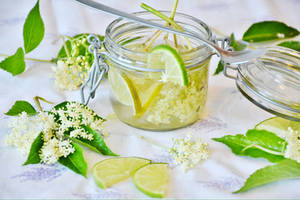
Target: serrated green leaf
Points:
(219, 69)
(256, 143)
(285, 169)
(75, 161)
(21, 106)
(34, 156)
(14, 64)
(269, 30)
(33, 30)
(236, 45)
(291, 44)
(97, 144)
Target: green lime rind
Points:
(278, 125)
(114, 170)
(176, 61)
(145, 176)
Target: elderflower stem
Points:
(65, 46)
(38, 104)
(33, 59)
(263, 149)
(154, 143)
(172, 18)
(167, 19)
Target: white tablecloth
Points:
(227, 111)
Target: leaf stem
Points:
(38, 104)
(33, 59)
(65, 46)
(263, 149)
(154, 143)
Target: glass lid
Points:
(272, 82)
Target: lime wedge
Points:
(165, 57)
(278, 125)
(111, 171)
(152, 179)
(124, 90)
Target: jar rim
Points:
(116, 45)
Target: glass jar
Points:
(140, 95)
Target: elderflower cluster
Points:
(72, 71)
(188, 152)
(293, 147)
(54, 125)
(24, 129)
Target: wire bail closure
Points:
(225, 44)
(97, 71)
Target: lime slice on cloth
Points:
(165, 57)
(278, 125)
(152, 179)
(124, 90)
(111, 171)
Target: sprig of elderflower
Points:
(293, 147)
(188, 152)
(54, 125)
(73, 64)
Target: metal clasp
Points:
(97, 71)
(225, 44)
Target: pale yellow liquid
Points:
(174, 106)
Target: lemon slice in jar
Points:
(164, 56)
(124, 90)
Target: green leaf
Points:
(34, 156)
(75, 161)
(14, 64)
(219, 69)
(97, 144)
(256, 143)
(236, 45)
(291, 44)
(269, 30)
(285, 169)
(33, 30)
(21, 106)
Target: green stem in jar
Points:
(172, 18)
(162, 16)
(167, 19)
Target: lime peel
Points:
(152, 179)
(168, 57)
(114, 170)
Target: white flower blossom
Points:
(188, 153)
(24, 129)
(293, 147)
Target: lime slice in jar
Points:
(124, 90)
(114, 170)
(152, 179)
(279, 125)
(164, 56)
